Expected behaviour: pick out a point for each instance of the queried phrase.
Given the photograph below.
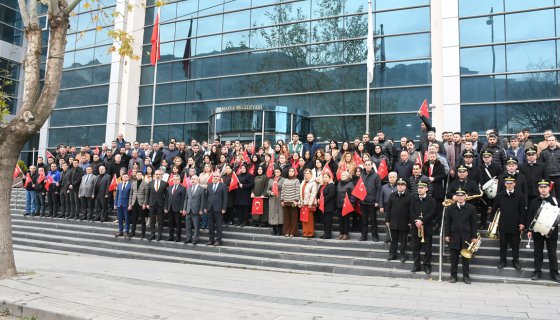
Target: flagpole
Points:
(155, 78)
(370, 62)
(367, 108)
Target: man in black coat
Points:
(533, 171)
(64, 192)
(474, 171)
(435, 171)
(415, 178)
(101, 194)
(156, 202)
(156, 156)
(513, 210)
(550, 157)
(464, 183)
(397, 217)
(368, 206)
(422, 213)
(216, 206)
(460, 231)
(174, 206)
(403, 167)
(489, 171)
(540, 240)
(74, 180)
(499, 156)
(511, 171)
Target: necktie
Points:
(157, 185)
(194, 189)
(215, 187)
(174, 189)
(124, 186)
(87, 178)
(430, 170)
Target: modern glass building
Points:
(256, 69)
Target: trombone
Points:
(493, 227)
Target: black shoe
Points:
(501, 265)
(403, 258)
(188, 241)
(428, 269)
(415, 269)
(467, 280)
(363, 238)
(158, 238)
(389, 258)
(536, 275)
(555, 277)
(152, 238)
(195, 242)
(453, 279)
(118, 235)
(375, 238)
(387, 240)
(170, 239)
(178, 240)
(210, 243)
(516, 266)
(126, 235)
(217, 243)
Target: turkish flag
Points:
(360, 190)
(17, 171)
(49, 181)
(155, 54)
(357, 209)
(113, 185)
(418, 161)
(27, 180)
(304, 214)
(357, 159)
(234, 184)
(383, 171)
(170, 179)
(424, 109)
(49, 155)
(341, 169)
(327, 170)
(270, 169)
(347, 206)
(246, 157)
(252, 170)
(425, 156)
(275, 187)
(41, 178)
(258, 205)
(96, 151)
(186, 181)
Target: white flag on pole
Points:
(370, 46)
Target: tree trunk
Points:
(37, 105)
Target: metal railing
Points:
(17, 192)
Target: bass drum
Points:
(490, 188)
(546, 219)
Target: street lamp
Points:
(490, 22)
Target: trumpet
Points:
(473, 247)
(449, 202)
(493, 227)
(421, 231)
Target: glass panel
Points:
(208, 45)
(531, 56)
(196, 112)
(538, 117)
(482, 89)
(182, 29)
(490, 59)
(343, 129)
(326, 103)
(530, 25)
(205, 89)
(479, 30)
(144, 116)
(209, 25)
(210, 6)
(390, 4)
(292, 82)
(207, 67)
(164, 72)
(395, 126)
(326, 54)
(163, 93)
(405, 47)
(539, 85)
(236, 41)
(102, 55)
(513, 5)
(81, 116)
(233, 64)
(402, 21)
(476, 7)
(167, 31)
(77, 136)
(237, 20)
(390, 100)
(403, 73)
(277, 122)
(258, 85)
(494, 117)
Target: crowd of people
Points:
(280, 185)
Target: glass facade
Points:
(81, 110)
(10, 22)
(307, 54)
(9, 75)
(509, 65)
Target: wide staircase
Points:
(252, 247)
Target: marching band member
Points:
(397, 216)
(422, 213)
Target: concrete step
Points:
(243, 248)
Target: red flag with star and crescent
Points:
(347, 207)
(341, 169)
(258, 204)
(357, 159)
(383, 171)
(113, 185)
(424, 109)
(360, 190)
(155, 54)
(234, 184)
(27, 180)
(327, 170)
(17, 171)
(50, 180)
(186, 181)
(41, 178)
(275, 187)
(418, 161)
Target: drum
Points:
(546, 219)
(490, 188)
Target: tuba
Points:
(473, 247)
(493, 227)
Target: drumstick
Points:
(528, 246)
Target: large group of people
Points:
(283, 185)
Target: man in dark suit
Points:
(174, 207)
(216, 206)
(121, 204)
(156, 156)
(193, 208)
(156, 202)
(101, 194)
(396, 218)
(460, 230)
(533, 171)
(74, 181)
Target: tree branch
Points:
(71, 6)
(33, 17)
(24, 12)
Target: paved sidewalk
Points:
(59, 286)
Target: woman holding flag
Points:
(308, 204)
(327, 204)
(344, 191)
(52, 186)
(260, 198)
(275, 218)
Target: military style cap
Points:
(461, 168)
(468, 154)
(460, 192)
(531, 151)
(511, 160)
(401, 181)
(487, 153)
(543, 182)
(422, 184)
(509, 179)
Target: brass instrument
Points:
(449, 202)
(473, 247)
(421, 231)
(493, 227)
